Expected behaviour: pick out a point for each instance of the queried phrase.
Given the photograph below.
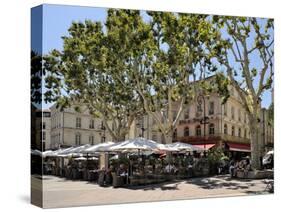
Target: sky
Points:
(47, 29)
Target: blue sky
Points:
(57, 19)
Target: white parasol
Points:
(102, 147)
(136, 144)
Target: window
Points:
(91, 140)
(245, 133)
(102, 127)
(43, 136)
(186, 114)
(43, 114)
(225, 129)
(211, 108)
(154, 137)
(232, 113)
(92, 124)
(239, 132)
(153, 121)
(78, 122)
(225, 109)
(186, 131)
(42, 125)
(57, 122)
(102, 138)
(175, 134)
(199, 108)
(46, 114)
(77, 139)
(211, 129)
(198, 130)
(233, 131)
(245, 118)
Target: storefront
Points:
(237, 150)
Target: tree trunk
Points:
(255, 133)
(168, 137)
(120, 137)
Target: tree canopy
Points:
(129, 66)
(244, 47)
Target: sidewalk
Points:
(59, 192)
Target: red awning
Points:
(239, 147)
(207, 146)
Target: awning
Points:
(207, 146)
(239, 147)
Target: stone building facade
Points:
(42, 129)
(226, 125)
(72, 128)
(267, 131)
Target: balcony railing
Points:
(194, 120)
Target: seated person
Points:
(170, 169)
(232, 167)
(247, 167)
(122, 171)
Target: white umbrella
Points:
(36, 152)
(183, 146)
(74, 154)
(135, 144)
(146, 153)
(62, 151)
(83, 158)
(93, 158)
(47, 153)
(163, 147)
(102, 147)
(115, 157)
(57, 152)
(78, 149)
(270, 152)
(80, 158)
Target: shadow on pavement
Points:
(163, 186)
(219, 182)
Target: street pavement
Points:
(59, 192)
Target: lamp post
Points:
(204, 120)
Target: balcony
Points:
(183, 122)
(197, 120)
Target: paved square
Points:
(59, 192)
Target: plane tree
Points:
(244, 47)
(80, 74)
